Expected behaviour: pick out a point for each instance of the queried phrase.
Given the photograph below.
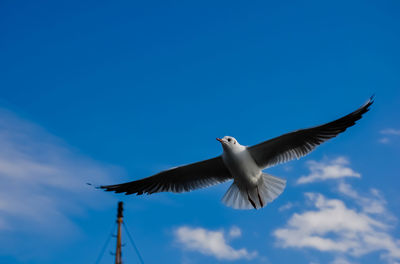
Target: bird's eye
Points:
(229, 139)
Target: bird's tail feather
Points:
(236, 199)
(267, 190)
(271, 187)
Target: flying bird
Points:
(251, 187)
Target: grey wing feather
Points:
(301, 142)
(180, 179)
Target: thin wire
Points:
(133, 244)
(105, 244)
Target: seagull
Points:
(251, 187)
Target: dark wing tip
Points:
(120, 188)
(370, 101)
(107, 188)
(357, 115)
(372, 98)
(96, 187)
(365, 107)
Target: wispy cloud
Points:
(341, 260)
(285, 207)
(391, 131)
(235, 232)
(384, 140)
(373, 203)
(388, 133)
(42, 181)
(332, 226)
(325, 170)
(211, 243)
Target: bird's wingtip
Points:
(370, 101)
(96, 187)
(372, 98)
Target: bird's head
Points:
(229, 143)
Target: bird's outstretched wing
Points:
(180, 179)
(300, 142)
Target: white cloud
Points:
(43, 182)
(372, 204)
(390, 131)
(211, 243)
(341, 260)
(384, 140)
(285, 207)
(332, 226)
(324, 170)
(235, 232)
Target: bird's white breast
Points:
(242, 166)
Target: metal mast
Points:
(118, 252)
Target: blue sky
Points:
(94, 91)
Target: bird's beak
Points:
(220, 140)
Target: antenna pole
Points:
(118, 252)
